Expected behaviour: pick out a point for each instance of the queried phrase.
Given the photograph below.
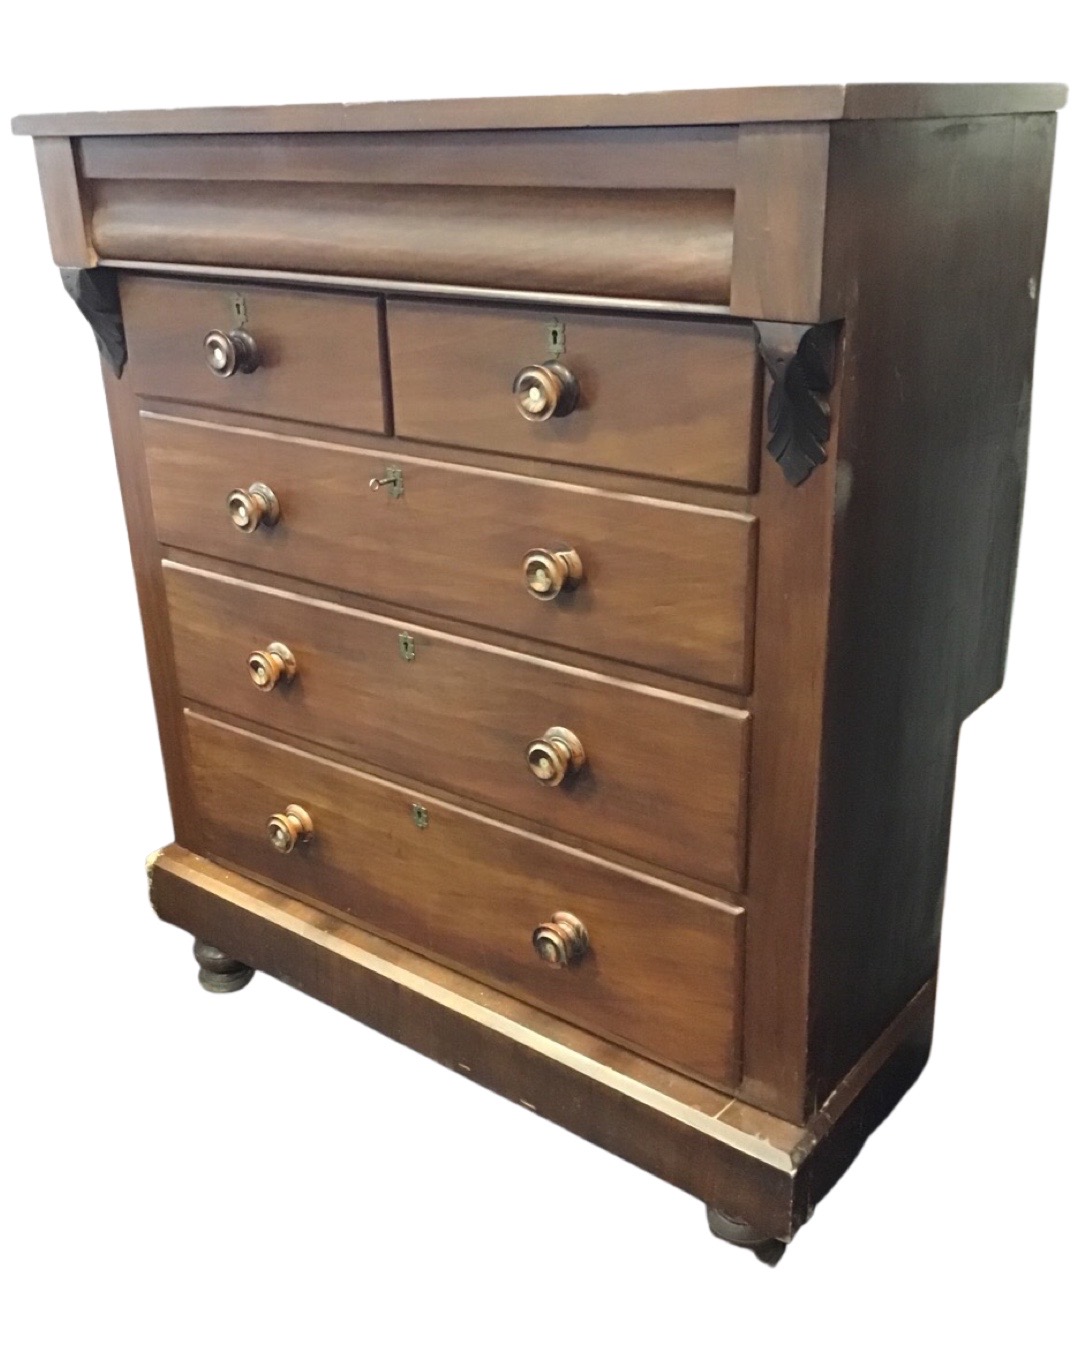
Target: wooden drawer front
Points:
(320, 355)
(663, 970)
(666, 586)
(656, 245)
(664, 779)
(667, 398)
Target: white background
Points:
(260, 1171)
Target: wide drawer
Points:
(664, 585)
(663, 777)
(663, 968)
(319, 356)
(667, 398)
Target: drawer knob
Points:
(288, 828)
(547, 574)
(562, 941)
(272, 665)
(546, 391)
(555, 755)
(227, 353)
(255, 506)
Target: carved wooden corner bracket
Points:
(97, 295)
(799, 358)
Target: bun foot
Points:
(740, 1234)
(218, 973)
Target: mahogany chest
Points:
(569, 534)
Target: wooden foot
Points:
(739, 1234)
(218, 973)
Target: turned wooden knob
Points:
(546, 391)
(251, 507)
(562, 941)
(271, 665)
(555, 755)
(288, 828)
(547, 574)
(230, 353)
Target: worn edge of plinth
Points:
(762, 1170)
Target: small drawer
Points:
(662, 585)
(656, 968)
(657, 776)
(661, 397)
(305, 355)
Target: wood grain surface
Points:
(663, 973)
(667, 398)
(679, 107)
(768, 1172)
(665, 778)
(65, 206)
(935, 407)
(665, 585)
(638, 157)
(321, 355)
(780, 222)
(655, 244)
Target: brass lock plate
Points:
(407, 646)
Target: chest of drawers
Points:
(569, 536)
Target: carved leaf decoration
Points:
(799, 359)
(97, 295)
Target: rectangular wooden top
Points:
(705, 107)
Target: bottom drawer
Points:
(662, 969)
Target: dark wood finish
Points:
(682, 107)
(429, 290)
(933, 449)
(794, 559)
(65, 209)
(648, 157)
(769, 1173)
(660, 245)
(663, 973)
(97, 296)
(666, 490)
(871, 597)
(150, 588)
(218, 973)
(671, 399)
(742, 1234)
(411, 618)
(779, 228)
(665, 777)
(800, 360)
(664, 584)
(320, 355)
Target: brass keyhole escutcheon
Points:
(270, 666)
(555, 756)
(561, 941)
